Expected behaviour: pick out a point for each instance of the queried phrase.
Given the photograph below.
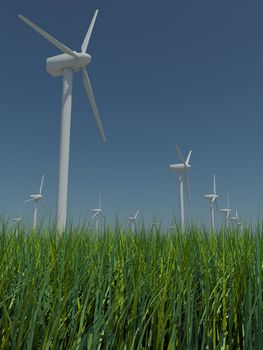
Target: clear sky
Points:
(163, 73)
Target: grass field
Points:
(118, 290)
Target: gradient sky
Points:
(163, 73)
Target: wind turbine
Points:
(182, 168)
(241, 225)
(97, 213)
(65, 64)
(235, 219)
(17, 222)
(35, 198)
(213, 200)
(132, 220)
(226, 212)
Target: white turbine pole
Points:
(212, 217)
(97, 223)
(35, 216)
(64, 150)
(181, 201)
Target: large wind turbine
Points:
(226, 212)
(235, 219)
(213, 200)
(35, 198)
(97, 212)
(132, 220)
(182, 168)
(65, 64)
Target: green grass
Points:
(117, 290)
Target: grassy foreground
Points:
(119, 291)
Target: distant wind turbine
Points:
(17, 222)
(226, 212)
(35, 198)
(132, 220)
(97, 213)
(235, 219)
(182, 168)
(213, 201)
(65, 64)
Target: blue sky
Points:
(163, 73)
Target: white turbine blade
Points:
(28, 200)
(180, 154)
(88, 35)
(228, 205)
(41, 184)
(188, 157)
(52, 40)
(214, 184)
(217, 209)
(91, 98)
(45, 206)
(99, 201)
(96, 214)
(188, 188)
(135, 216)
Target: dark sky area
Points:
(163, 73)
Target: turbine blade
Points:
(180, 154)
(99, 201)
(137, 212)
(50, 38)
(228, 205)
(188, 157)
(28, 200)
(214, 184)
(88, 35)
(188, 188)
(41, 185)
(87, 86)
(93, 216)
(45, 206)
(217, 209)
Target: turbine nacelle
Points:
(56, 64)
(36, 196)
(179, 167)
(211, 197)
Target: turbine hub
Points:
(57, 64)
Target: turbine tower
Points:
(97, 212)
(213, 201)
(65, 64)
(235, 219)
(17, 222)
(132, 220)
(182, 168)
(35, 198)
(226, 212)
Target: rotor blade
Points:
(137, 212)
(91, 98)
(188, 187)
(228, 205)
(180, 154)
(45, 206)
(93, 216)
(99, 201)
(28, 200)
(214, 184)
(41, 185)
(188, 157)
(52, 40)
(217, 209)
(88, 35)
